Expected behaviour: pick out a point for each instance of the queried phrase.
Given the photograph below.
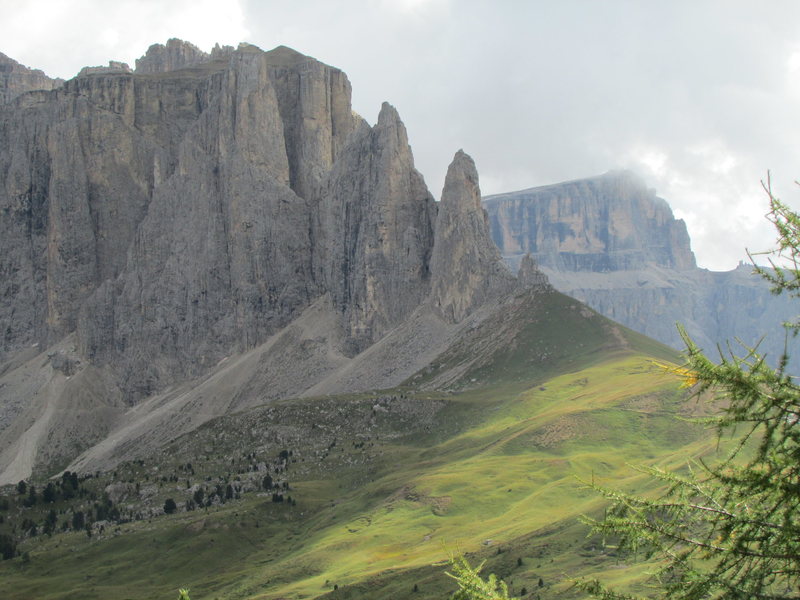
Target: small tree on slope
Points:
(729, 530)
(471, 586)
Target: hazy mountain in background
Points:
(612, 243)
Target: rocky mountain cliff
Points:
(16, 79)
(466, 265)
(177, 54)
(612, 243)
(608, 223)
(160, 212)
(214, 230)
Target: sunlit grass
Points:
(500, 469)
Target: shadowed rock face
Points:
(466, 265)
(191, 209)
(374, 232)
(224, 223)
(167, 217)
(610, 242)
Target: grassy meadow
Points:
(385, 485)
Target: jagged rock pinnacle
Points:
(375, 231)
(466, 266)
(461, 192)
(530, 276)
(176, 54)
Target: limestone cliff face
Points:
(175, 54)
(166, 217)
(220, 219)
(466, 265)
(611, 243)
(175, 215)
(222, 258)
(607, 223)
(374, 232)
(715, 308)
(16, 79)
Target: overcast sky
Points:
(700, 97)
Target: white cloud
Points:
(654, 161)
(61, 37)
(714, 156)
(414, 6)
(793, 73)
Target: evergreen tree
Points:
(729, 530)
(49, 493)
(8, 547)
(69, 484)
(471, 586)
(50, 522)
(32, 497)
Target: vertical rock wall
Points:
(166, 216)
(607, 223)
(374, 232)
(189, 210)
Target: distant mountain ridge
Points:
(17, 79)
(612, 243)
(612, 222)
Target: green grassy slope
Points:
(386, 483)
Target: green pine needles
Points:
(471, 586)
(729, 530)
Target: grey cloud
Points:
(539, 92)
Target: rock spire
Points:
(466, 266)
